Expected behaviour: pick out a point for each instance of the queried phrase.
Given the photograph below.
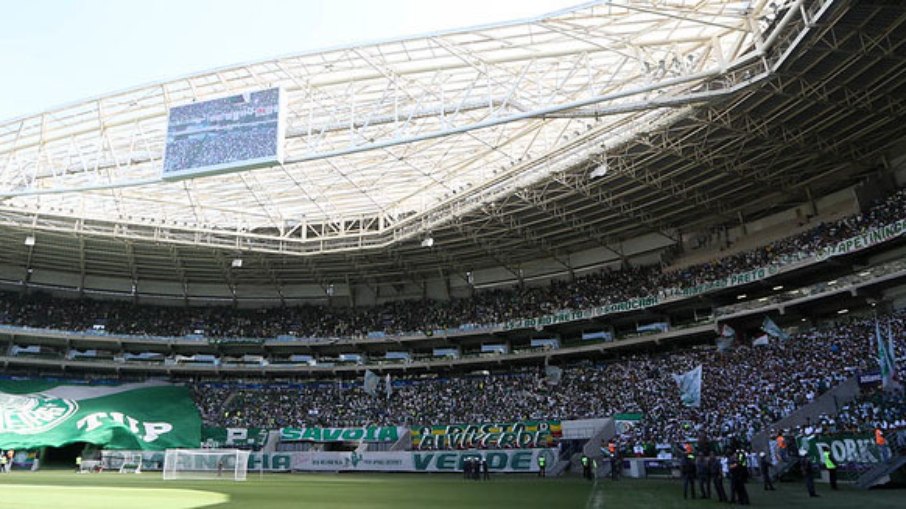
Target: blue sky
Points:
(57, 52)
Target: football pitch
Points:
(61, 489)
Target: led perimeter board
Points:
(227, 134)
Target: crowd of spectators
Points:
(744, 390)
(226, 145)
(486, 307)
(236, 128)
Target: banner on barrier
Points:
(500, 461)
(220, 438)
(845, 448)
(868, 239)
(358, 434)
(380, 461)
(509, 435)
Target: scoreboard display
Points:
(228, 134)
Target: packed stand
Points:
(743, 391)
(483, 308)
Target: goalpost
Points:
(226, 464)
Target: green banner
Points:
(236, 341)
(844, 448)
(583, 314)
(149, 416)
(509, 435)
(362, 434)
(626, 422)
(225, 438)
(866, 240)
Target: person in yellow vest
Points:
(78, 464)
(881, 442)
(3, 464)
(542, 464)
(586, 467)
(831, 469)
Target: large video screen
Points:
(232, 133)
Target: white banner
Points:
(384, 461)
(499, 460)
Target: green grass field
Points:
(66, 490)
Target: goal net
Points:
(125, 462)
(226, 464)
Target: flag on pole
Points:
(553, 375)
(388, 388)
(371, 383)
(885, 358)
(761, 341)
(892, 356)
(690, 386)
(772, 329)
(726, 339)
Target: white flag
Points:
(772, 329)
(371, 383)
(761, 341)
(690, 386)
(388, 387)
(726, 338)
(886, 359)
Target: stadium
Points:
(599, 257)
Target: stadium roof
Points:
(502, 143)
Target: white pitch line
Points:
(596, 497)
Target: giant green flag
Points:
(147, 416)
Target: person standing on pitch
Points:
(717, 476)
(808, 472)
(484, 469)
(765, 465)
(831, 469)
(704, 476)
(688, 470)
(586, 467)
(738, 474)
(542, 464)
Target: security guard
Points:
(781, 447)
(808, 471)
(586, 467)
(738, 475)
(78, 464)
(688, 470)
(765, 466)
(717, 476)
(831, 469)
(542, 464)
(704, 476)
(881, 442)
